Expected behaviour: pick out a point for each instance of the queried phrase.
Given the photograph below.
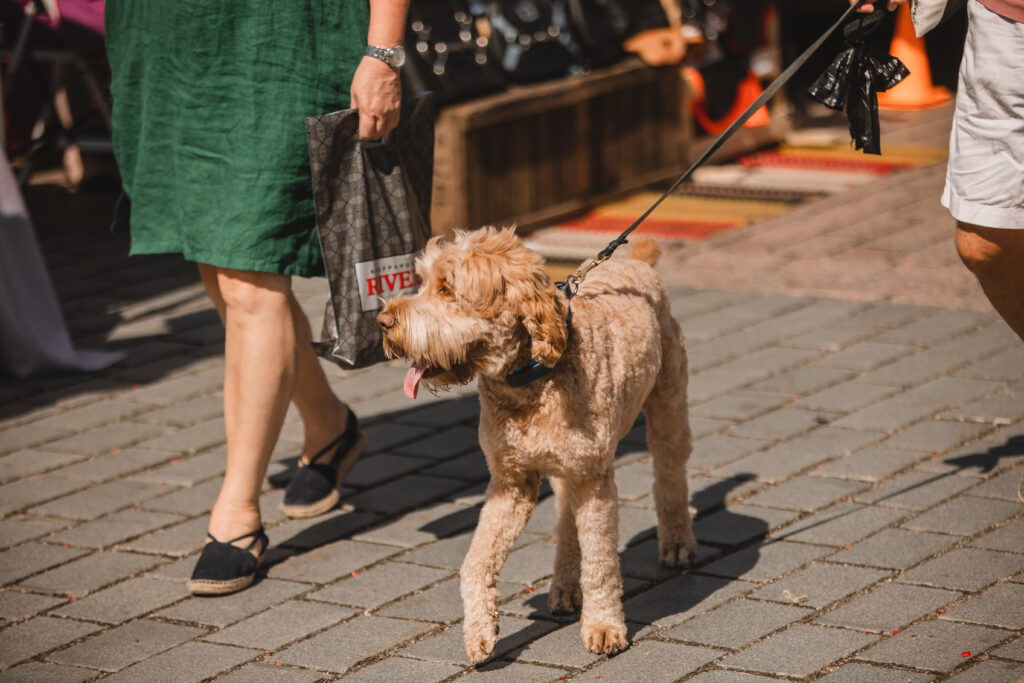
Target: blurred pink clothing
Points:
(1010, 9)
(87, 13)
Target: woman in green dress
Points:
(210, 101)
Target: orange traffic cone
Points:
(915, 92)
(748, 90)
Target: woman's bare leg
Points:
(260, 371)
(208, 274)
(323, 415)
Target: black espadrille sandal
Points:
(316, 488)
(224, 568)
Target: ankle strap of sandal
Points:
(257, 536)
(351, 427)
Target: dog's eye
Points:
(444, 290)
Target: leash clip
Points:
(577, 278)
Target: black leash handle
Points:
(571, 283)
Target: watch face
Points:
(396, 58)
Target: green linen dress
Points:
(210, 99)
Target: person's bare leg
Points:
(323, 415)
(208, 274)
(996, 257)
(260, 369)
(74, 167)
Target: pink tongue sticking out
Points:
(412, 381)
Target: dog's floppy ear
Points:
(527, 292)
(543, 315)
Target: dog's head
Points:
(485, 305)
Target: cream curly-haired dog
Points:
(486, 308)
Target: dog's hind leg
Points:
(669, 438)
(502, 518)
(596, 509)
(565, 595)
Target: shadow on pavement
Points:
(989, 460)
(680, 590)
(984, 461)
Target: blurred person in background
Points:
(34, 340)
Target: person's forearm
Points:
(387, 22)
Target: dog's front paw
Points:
(480, 640)
(605, 639)
(564, 598)
(678, 552)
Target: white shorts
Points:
(985, 179)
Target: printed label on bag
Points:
(386, 277)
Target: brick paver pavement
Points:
(855, 474)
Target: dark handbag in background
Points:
(447, 51)
(532, 40)
(373, 217)
(600, 27)
(461, 49)
(645, 15)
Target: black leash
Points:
(571, 284)
(533, 370)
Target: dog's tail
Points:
(645, 249)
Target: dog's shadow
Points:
(716, 525)
(653, 593)
(338, 525)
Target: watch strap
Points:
(384, 54)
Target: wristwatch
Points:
(392, 56)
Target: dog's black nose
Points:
(385, 320)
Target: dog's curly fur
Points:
(486, 306)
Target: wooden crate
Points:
(540, 152)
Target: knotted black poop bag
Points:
(855, 78)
